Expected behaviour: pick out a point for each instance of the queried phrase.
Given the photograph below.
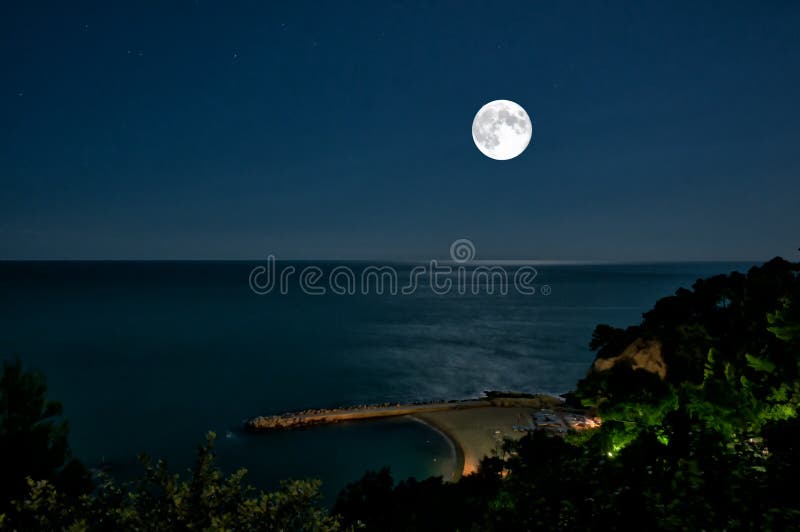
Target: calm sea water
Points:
(149, 356)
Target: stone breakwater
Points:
(324, 416)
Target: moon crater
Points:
(502, 130)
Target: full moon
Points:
(502, 130)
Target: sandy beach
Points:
(477, 432)
(475, 428)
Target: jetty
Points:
(475, 427)
(325, 416)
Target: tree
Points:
(160, 500)
(33, 439)
(43, 488)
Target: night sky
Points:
(230, 130)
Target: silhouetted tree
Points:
(161, 500)
(33, 439)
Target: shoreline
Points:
(474, 428)
(455, 446)
(482, 432)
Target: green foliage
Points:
(608, 340)
(43, 488)
(785, 321)
(731, 349)
(712, 446)
(432, 504)
(33, 438)
(759, 364)
(160, 500)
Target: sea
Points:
(148, 357)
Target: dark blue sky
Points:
(662, 131)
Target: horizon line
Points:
(498, 262)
